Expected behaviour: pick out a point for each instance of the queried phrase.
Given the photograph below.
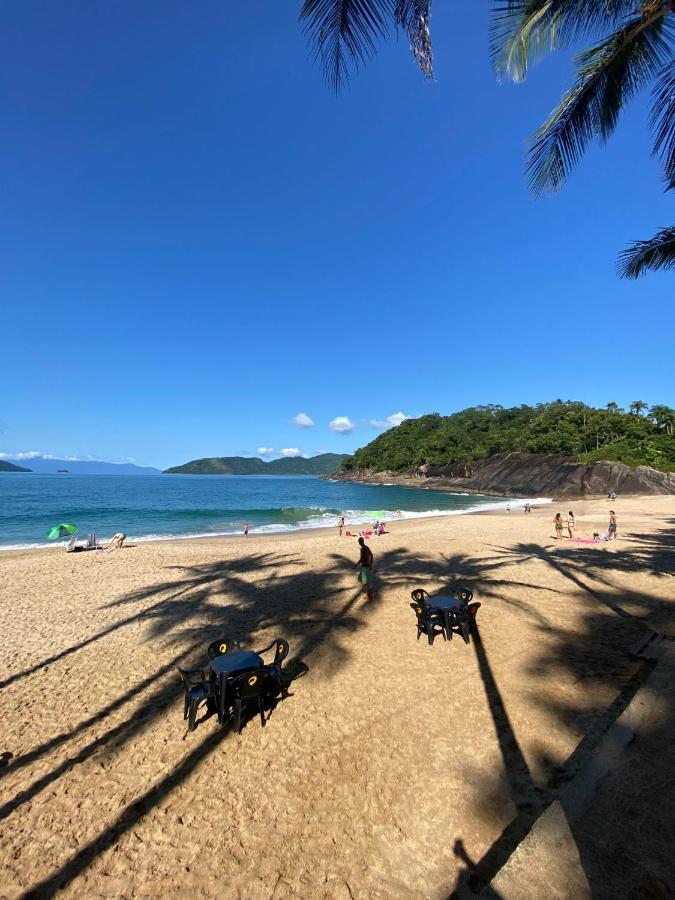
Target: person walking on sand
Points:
(558, 522)
(341, 525)
(570, 524)
(246, 530)
(363, 565)
(611, 531)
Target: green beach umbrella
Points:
(59, 531)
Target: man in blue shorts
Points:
(364, 565)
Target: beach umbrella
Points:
(59, 531)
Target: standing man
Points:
(341, 525)
(246, 530)
(363, 565)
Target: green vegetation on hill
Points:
(566, 427)
(11, 467)
(324, 464)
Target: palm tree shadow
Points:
(194, 605)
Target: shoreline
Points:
(543, 505)
(273, 532)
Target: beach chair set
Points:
(91, 544)
(233, 680)
(445, 614)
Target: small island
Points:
(323, 464)
(11, 467)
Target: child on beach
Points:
(558, 522)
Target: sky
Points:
(199, 242)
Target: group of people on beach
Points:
(569, 521)
(559, 524)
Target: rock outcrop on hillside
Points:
(531, 475)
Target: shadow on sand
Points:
(253, 598)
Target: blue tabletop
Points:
(444, 602)
(239, 661)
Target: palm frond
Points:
(662, 121)
(344, 33)
(609, 75)
(523, 31)
(656, 253)
(413, 17)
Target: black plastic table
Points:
(448, 605)
(226, 666)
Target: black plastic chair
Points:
(221, 647)
(428, 622)
(273, 670)
(197, 690)
(457, 622)
(245, 689)
(464, 594)
(419, 595)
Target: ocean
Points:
(174, 506)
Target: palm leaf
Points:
(609, 75)
(662, 121)
(523, 31)
(656, 253)
(344, 33)
(413, 17)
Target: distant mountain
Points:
(323, 464)
(11, 467)
(85, 467)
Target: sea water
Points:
(174, 506)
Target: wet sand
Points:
(394, 769)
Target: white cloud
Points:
(291, 451)
(342, 425)
(27, 454)
(37, 454)
(390, 422)
(265, 451)
(302, 420)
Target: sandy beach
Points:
(394, 769)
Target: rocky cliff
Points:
(530, 475)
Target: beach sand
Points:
(394, 769)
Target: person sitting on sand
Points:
(116, 541)
(558, 522)
(363, 565)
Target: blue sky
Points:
(198, 241)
